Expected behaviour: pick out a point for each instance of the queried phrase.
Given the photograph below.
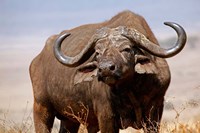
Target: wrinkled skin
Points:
(115, 60)
(104, 86)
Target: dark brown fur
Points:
(55, 93)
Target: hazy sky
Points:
(42, 18)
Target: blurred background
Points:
(25, 25)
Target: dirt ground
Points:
(182, 97)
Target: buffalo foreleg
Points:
(108, 124)
(107, 119)
(153, 118)
(43, 119)
(67, 126)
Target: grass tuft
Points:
(26, 125)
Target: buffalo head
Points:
(115, 55)
(119, 53)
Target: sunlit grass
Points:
(193, 127)
(27, 124)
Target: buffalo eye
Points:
(127, 50)
(97, 54)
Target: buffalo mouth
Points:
(109, 79)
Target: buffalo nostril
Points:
(100, 69)
(112, 67)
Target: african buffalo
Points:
(109, 75)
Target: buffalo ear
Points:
(86, 72)
(143, 65)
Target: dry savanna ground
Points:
(182, 101)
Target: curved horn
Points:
(67, 60)
(155, 49)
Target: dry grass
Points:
(10, 126)
(26, 126)
(192, 127)
(81, 117)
